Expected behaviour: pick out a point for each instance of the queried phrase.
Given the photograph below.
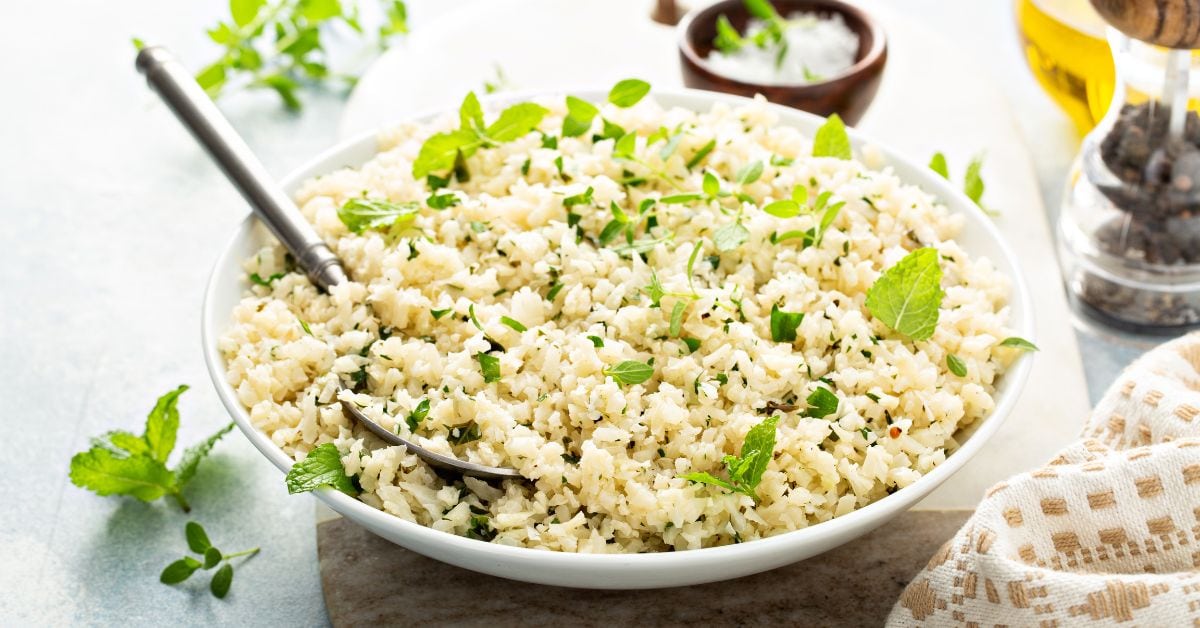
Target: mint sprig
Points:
(746, 470)
(122, 463)
(907, 296)
(442, 152)
(321, 467)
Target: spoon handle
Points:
(192, 106)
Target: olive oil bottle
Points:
(1065, 46)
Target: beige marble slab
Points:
(370, 582)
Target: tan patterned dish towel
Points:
(1106, 533)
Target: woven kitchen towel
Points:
(1108, 532)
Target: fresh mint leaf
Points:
(1015, 342)
(584, 198)
(711, 185)
(580, 114)
(516, 121)
(822, 402)
(321, 467)
(442, 201)
(105, 473)
(746, 471)
(470, 113)
(361, 214)
(190, 461)
(937, 163)
(489, 365)
(677, 317)
(692, 344)
(624, 147)
(628, 92)
(831, 139)
(762, 9)
(630, 372)
(440, 152)
(827, 218)
(730, 237)
(597, 341)
(784, 324)
(906, 297)
(162, 424)
(438, 314)
(956, 365)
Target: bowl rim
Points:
(420, 537)
(874, 54)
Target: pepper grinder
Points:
(1129, 230)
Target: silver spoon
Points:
(192, 106)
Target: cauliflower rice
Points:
(606, 459)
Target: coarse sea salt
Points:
(817, 48)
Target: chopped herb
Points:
(464, 435)
(628, 92)
(438, 314)
(597, 341)
(784, 324)
(481, 528)
(692, 344)
(490, 366)
(630, 372)
(680, 199)
(831, 139)
(745, 471)
(442, 201)
(321, 467)
(555, 288)
(907, 296)
(677, 317)
(821, 403)
(417, 415)
(956, 365)
(478, 226)
(513, 323)
(701, 154)
(777, 160)
(973, 182)
(259, 281)
(471, 316)
(579, 199)
(525, 166)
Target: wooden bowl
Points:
(847, 94)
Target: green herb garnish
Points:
(489, 365)
(956, 365)
(442, 151)
(628, 92)
(513, 323)
(121, 463)
(701, 154)
(198, 543)
(831, 139)
(417, 415)
(630, 372)
(257, 280)
(822, 402)
(580, 114)
(730, 236)
(278, 45)
(597, 341)
(360, 214)
(321, 467)
(745, 471)
(1015, 342)
(442, 201)
(907, 296)
(784, 324)
(937, 163)
(438, 314)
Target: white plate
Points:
(980, 238)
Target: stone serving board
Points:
(370, 582)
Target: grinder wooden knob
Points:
(1169, 23)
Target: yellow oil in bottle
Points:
(1064, 44)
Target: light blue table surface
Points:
(112, 218)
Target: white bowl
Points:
(631, 571)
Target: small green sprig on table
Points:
(210, 557)
(280, 44)
(122, 463)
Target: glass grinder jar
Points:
(1129, 230)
